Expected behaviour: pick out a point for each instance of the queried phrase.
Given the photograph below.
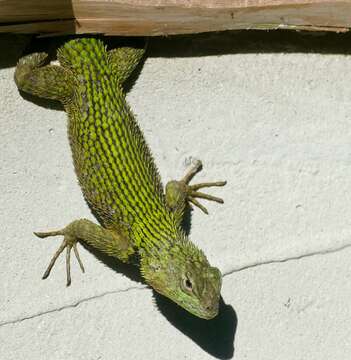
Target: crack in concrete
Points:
(64, 307)
(283, 260)
(227, 273)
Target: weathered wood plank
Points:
(165, 17)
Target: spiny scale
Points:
(113, 162)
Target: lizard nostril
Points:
(209, 307)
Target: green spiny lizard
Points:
(118, 177)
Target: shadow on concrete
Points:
(207, 44)
(12, 48)
(245, 42)
(23, 14)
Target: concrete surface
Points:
(269, 112)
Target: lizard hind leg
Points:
(124, 60)
(47, 81)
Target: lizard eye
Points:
(187, 284)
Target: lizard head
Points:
(184, 275)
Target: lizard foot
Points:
(178, 191)
(68, 243)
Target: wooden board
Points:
(166, 17)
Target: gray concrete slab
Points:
(270, 113)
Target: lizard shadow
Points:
(215, 336)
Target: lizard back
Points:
(114, 165)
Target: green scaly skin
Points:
(118, 176)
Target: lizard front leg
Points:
(179, 193)
(108, 241)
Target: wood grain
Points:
(166, 17)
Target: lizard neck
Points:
(157, 232)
